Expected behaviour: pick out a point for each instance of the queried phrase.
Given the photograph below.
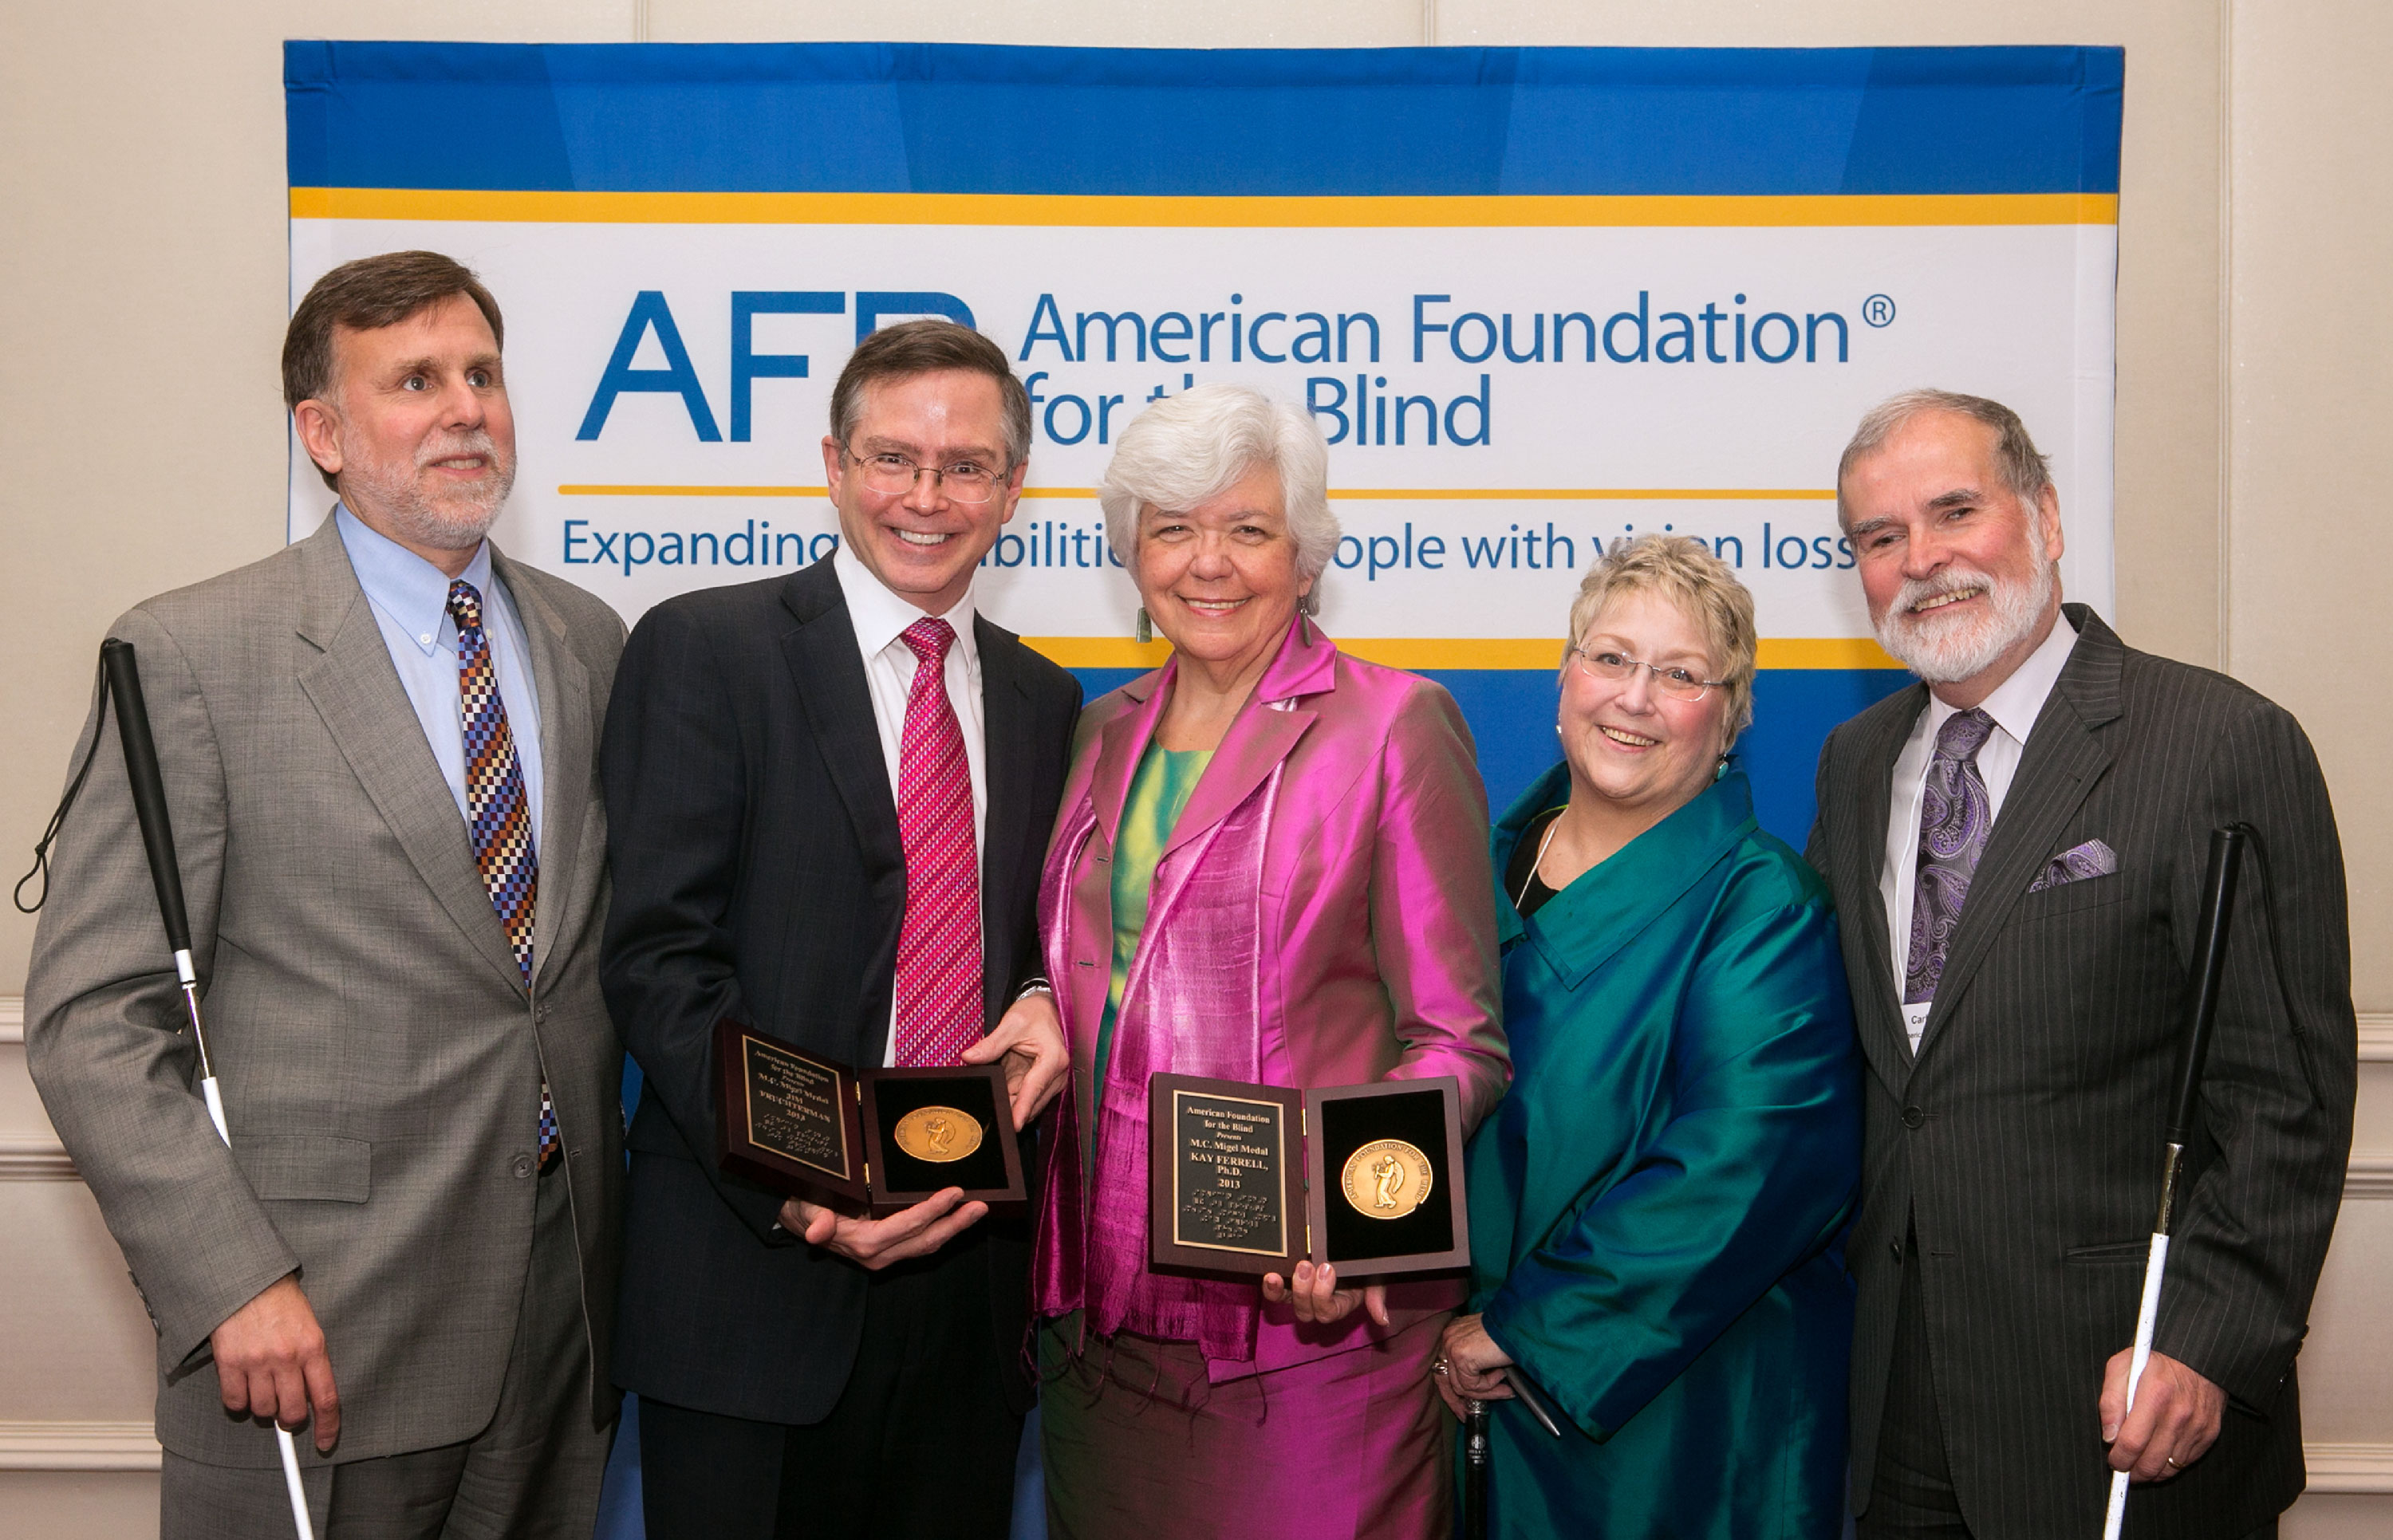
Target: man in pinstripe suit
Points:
(2016, 847)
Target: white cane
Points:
(2210, 962)
(158, 839)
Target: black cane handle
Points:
(149, 788)
(2216, 917)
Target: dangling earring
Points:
(1720, 769)
(1145, 627)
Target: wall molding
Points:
(80, 1446)
(36, 1157)
(12, 1018)
(131, 1446)
(2368, 1176)
(2364, 1468)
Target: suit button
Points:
(1896, 1247)
(522, 1167)
(1913, 1117)
(540, 1013)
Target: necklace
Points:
(1551, 823)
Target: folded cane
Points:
(158, 839)
(2209, 963)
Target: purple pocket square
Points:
(2091, 859)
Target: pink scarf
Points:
(1190, 1006)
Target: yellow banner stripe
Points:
(1426, 652)
(1060, 209)
(1360, 494)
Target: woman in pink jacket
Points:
(1271, 866)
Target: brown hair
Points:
(365, 295)
(928, 346)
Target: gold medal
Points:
(1385, 1180)
(938, 1134)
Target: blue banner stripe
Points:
(1511, 717)
(1421, 122)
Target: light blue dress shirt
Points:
(410, 597)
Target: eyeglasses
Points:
(895, 475)
(1614, 666)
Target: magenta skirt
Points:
(1138, 1445)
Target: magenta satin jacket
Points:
(1323, 915)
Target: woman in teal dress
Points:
(1656, 1205)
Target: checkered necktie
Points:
(939, 945)
(497, 811)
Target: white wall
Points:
(142, 437)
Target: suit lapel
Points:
(1264, 734)
(1888, 1044)
(566, 739)
(827, 672)
(356, 690)
(1009, 753)
(1122, 743)
(2065, 756)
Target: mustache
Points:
(448, 446)
(1918, 591)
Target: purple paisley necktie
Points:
(1954, 818)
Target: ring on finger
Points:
(2172, 1462)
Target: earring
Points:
(1145, 626)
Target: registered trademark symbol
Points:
(1878, 310)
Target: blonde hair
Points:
(1687, 573)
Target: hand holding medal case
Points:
(870, 1142)
(1252, 1178)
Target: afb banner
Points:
(1538, 300)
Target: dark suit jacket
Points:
(758, 872)
(2024, 1141)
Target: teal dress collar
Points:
(1581, 928)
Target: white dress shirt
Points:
(879, 617)
(2014, 705)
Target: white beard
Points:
(1942, 651)
(457, 522)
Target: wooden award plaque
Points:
(1227, 1173)
(788, 1119)
(863, 1143)
(1249, 1180)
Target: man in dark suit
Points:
(832, 794)
(2017, 847)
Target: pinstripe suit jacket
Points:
(379, 1055)
(2023, 1140)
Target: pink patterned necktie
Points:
(1956, 816)
(939, 945)
(497, 811)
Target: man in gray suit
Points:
(2017, 847)
(379, 749)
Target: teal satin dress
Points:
(1656, 1205)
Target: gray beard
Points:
(457, 523)
(1947, 654)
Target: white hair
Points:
(1187, 449)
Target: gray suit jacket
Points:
(2023, 1141)
(379, 1057)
